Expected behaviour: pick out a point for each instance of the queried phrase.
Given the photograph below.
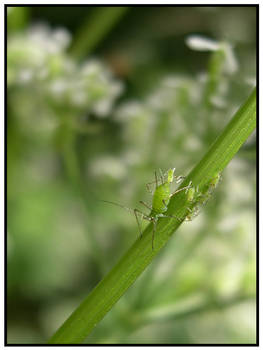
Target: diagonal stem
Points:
(103, 297)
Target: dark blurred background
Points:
(99, 98)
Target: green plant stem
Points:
(81, 322)
(95, 28)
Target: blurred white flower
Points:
(201, 43)
(50, 41)
(231, 64)
(102, 108)
(110, 166)
(251, 81)
(130, 109)
(58, 87)
(37, 56)
(218, 101)
(25, 76)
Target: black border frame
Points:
(5, 165)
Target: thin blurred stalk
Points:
(17, 18)
(212, 304)
(89, 35)
(67, 137)
(95, 29)
(160, 315)
(82, 321)
(215, 74)
(215, 71)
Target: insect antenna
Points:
(117, 204)
(156, 179)
(134, 211)
(161, 175)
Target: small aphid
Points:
(190, 193)
(160, 200)
(192, 213)
(200, 198)
(215, 181)
(210, 187)
(192, 196)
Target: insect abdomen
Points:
(161, 199)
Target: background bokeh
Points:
(99, 98)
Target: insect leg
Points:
(179, 179)
(146, 205)
(164, 204)
(136, 211)
(175, 217)
(119, 205)
(148, 187)
(161, 175)
(192, 213)
(146, 217)
(171, 216)
(156, 179)
(180, 189)
(154, 221)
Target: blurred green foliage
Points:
(145, 98)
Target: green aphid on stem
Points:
(215, 181)
(192, 195)
(160, 200)
(210, 187)
(162, 195)
(191, 192)
(192, 213)
(197, 198)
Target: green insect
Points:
(198, 199)
(215, 181)
(192, 213)
(209, 189)
(160, 200)
(192, 196)
(191, 192)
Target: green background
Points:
(63, 158)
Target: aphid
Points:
(192, 213)
(190, 192)
(215, 181)
(194, 196)
(160, 200)
(210, 187)
(176, 178)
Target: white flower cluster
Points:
(201, 43)
(165, 105)
(175, 90)
(180, 105)
(37, 59)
